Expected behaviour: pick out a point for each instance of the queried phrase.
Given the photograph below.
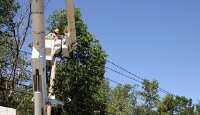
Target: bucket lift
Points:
(45, 49)
(55, 46)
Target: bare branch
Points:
(22, 28)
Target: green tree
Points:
(8, 10)
(171, 105)
(150, 96)
(184, 106)
(167, 106)
(139, 109)
(197, 109)
(14, 28)
(121, 100)
(80, 78)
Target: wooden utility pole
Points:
(51, 87)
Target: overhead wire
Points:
(123, 74)
(160, 89)
(134, 79)
(124, 69)
(47, 3)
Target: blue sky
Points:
(154, 39)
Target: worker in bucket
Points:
(55, 34)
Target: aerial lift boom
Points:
(44, 51)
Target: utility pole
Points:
(51, 87)
(38, 57)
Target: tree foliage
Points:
(80, 78)
(121, 100)
(176, 105)
(14, 28)
(150, 95)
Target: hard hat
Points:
(57, 30)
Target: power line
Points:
(162, 90)
(123, 74)
(47, 3)
(124, 69)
